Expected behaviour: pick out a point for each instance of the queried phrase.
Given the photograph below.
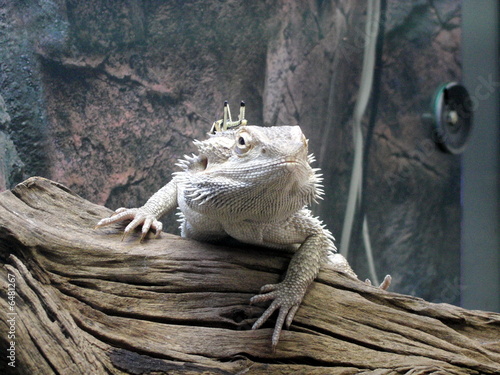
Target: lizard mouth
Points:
(288, 165)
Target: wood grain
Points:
(88, 302)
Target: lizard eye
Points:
(243, 143)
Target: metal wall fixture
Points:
(451, 115)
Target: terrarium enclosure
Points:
(104, 97)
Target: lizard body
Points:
(253, 184)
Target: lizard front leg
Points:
(163, 201)
(288, 294)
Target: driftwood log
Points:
(87, 302)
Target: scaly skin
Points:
(252, 184)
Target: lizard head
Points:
(270, 151)
(271, 162)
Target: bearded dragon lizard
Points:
(253, 184)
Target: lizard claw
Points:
(384, 285)
(283, 298)
(138, 217)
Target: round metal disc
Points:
(452, 109)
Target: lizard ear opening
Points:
(203, 162)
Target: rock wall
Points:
(11, 167)
(105, 96)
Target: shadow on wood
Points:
(89, 303)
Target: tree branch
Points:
(86, 302)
